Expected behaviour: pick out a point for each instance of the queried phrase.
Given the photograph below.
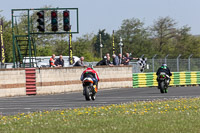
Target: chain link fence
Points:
(175, 65)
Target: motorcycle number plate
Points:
(162, 73)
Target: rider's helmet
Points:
(164, 66)
(90, 66)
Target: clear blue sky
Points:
(108, 14)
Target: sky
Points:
(109, 14)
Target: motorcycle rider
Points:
(165, 69)
(89, 72)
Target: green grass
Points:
(169, 116)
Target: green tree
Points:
(135, 37)
(105, 41)
(83, 46)
(162, 31)
(7, 39)
(187, 44)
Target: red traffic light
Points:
(66, 14)
(53, 14)
(66, 21)
(40, 14)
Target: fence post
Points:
(166, 58)
(142, 56)
(177, 60)
(189, 62)
(153, 61)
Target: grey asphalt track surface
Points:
(26, 104)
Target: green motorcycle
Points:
(163, 82)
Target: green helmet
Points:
(90, 66)
(164, 66)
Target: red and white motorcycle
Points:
(89, 89)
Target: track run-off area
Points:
(27, 104)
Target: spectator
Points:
(80, 62)
(128, 59)
(108, 61)
(105, 61)
(107, 55)
(59, 62)
(115, 59)
(102, 62)
(52, 61)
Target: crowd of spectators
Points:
(116, 60)
(53, 62)
(119, 60)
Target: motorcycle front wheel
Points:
(93, 97)
(162, 87)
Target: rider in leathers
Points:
(89, 72)
(165, 69)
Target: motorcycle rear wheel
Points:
(87, 94)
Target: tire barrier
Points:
(177, 78)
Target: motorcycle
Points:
(89, 89)
(163, 81)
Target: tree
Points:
(105, 40)
(83, 46)
(187, 44)
(7, 39)
(163, 30)
(135, 37)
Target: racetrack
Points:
(14, 105)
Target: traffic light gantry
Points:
(54, 21)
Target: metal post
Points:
(121, 50)
(189, 62)
(166, 58)
(2, 44)
(113, 42)
(77, 21)
(29, 41)
(120, 45)
(177, 60)
(13, 39)
(101, 45)
(70, 50)
(153, 61)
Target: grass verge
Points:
(178, 115)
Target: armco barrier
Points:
(177, 78)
